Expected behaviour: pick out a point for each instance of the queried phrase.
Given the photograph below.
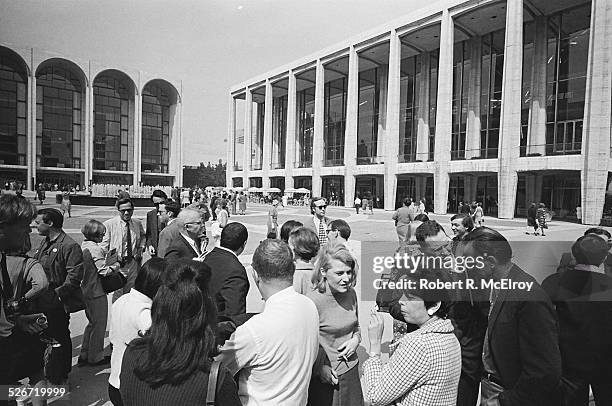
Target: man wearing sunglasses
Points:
(318, 222)
(126, 235)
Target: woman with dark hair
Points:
(171, 364)
(287, 228)
(305, 245)
(130, 317)
(425, 367)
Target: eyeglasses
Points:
(197, 222)
(126, 210)
(321, 207)
(329, 230)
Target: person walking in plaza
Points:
(541, 216)
(155, 222)
(478, 215)
(242, 203)
(531, 218)
(426, 364)
(40, 193)
(183, 317)
(131, 318)
(125, 235)
(335, 378)
(357, 204)
(62, 259)
(402, 218)
(521, 358)
(222, 218)
(273, 217)
(275, 350)
(318, 221)
(95, 265)
(582, 296)
(233, 203)
(66, 206)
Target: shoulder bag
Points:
(213, 376)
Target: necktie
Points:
(128, 239)
(322, 233)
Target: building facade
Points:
(500, 102)
(69, 121)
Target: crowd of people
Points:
(181, 334)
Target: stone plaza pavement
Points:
(537, 255)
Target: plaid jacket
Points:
(423, 370)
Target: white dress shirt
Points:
(130, 314)
(275, 351)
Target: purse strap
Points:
(21, 279)
(212, 383)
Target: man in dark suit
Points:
(229, 284)
(318, 222)
(192, 230)
(521, 358)
(62, 259)
(582, 296)
(155, 223)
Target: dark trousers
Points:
(60, 361)
(114, 395)
(21, 356)
(575, 391)
(467, 394)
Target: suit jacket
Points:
(170, 233)
(153, 229)
(311, 224)
(524, 345)
(63, 265)
(114, 236)
(229, 283)
(179, 248)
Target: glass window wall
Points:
(59, 95)
(461, 85)
(305, 126)
(491, 92)
(155, 129)
(112, 138)
(257, 135)
(368, 111)
(335, 121)
(433, 100)
(13, 101)
(526, 92)
(239, 111)
(410, 83)
(279, 131)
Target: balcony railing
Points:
(333, 162)
(561, 148)
(369, 160)
(237, 167)
(414, 157)
(277, 165)
(255, 167)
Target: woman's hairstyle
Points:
(327, 253)
(287, 228)
(222, 203)
(422, 218)
(430, 293)
(92, 229)
(305, 243)
(181, 340)
(149, 277)
(15, 210)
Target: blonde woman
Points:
(335, 379)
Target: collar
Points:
(301, 264)
(228, 250)
(140, 296)
(189, 239)
(280, 295)
(170, 221)
(51, 241)
(590, 268)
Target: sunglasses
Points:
(321, 207)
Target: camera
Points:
(14, 307)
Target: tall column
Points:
(597, 109)
(422, 149)
(393, 115)
(383, 128)
(89, 135)
(267, 141)
(178, 178)
(350, 133)
(137, 137)
(248, 130)
(537, 124)
(317, 142)
(472, 142)
(31, 132)
(231, 137)
(291, 130)
(510, 125)
(442, 144)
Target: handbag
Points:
(213, 376)
(111, 281)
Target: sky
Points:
(210, 45)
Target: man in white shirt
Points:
(276, 349)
